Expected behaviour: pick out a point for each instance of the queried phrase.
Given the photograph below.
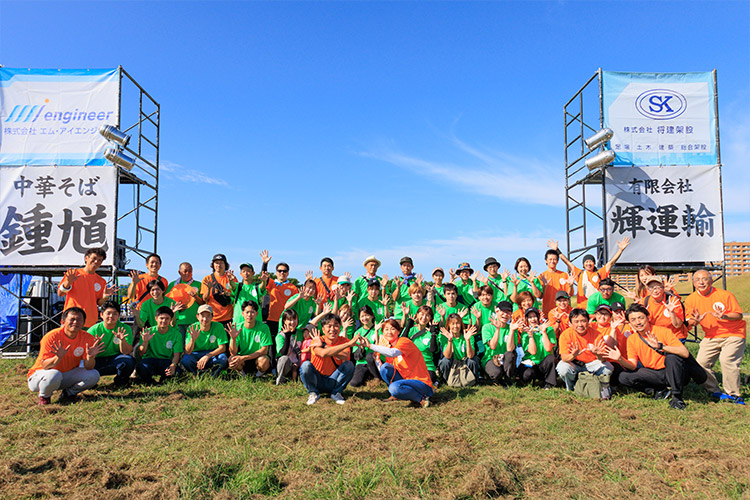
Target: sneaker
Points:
(391, 399)
(662, 394)
(43, 401)
(720, 396)
(338, 398)
(425, 403)
(280, 379)
(67, 397)
(313, 398)
(677, 404)
(736, 400)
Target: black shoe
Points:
(649, 391)
(663, 394)
(677, 404)
(68, 398)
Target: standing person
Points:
(160, 348)
(84, 288)
(606, 295)
(117, 345)
(720, 316)
(186, 291)
(436, 290)
(326, 284)
(655, 359)
(497, 281)
(404, 369)
(409, 306)
(67, 357)
(304, 303)
(250, 343)
(279, 291)
(401, 284)
(147, 311)
(379, 306)
(329, 369)
(665, 309)
(525, 281)
(576, 354)
(138, 289)
(371, 265)
(248, 290)
(205, 344)
(451, 306)
(465, 285)
(216, 289)
(553, 281)
(589, 278)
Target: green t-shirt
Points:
(466, 291)
(524, 285)
(421, 339)
(360, 286)
(254, 339)
(452, 310)
(398, 313)
(377, 308)
(210, 340)
(163, 345)
(488, 331)
(371, 335)
(111, 343)
(541, 353)
(459, 346)
(299, 336)
(246, 293)
(148, 310)
(186, 316)
(305, 309)
(439, 295)
(484, 312)
(596, 300)
(497, 285)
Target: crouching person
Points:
(249, 343)
(205, 344)
(657, 361)
(578, 352)
(117, 341)
(61, 353)
(160, 348)
(538, 344)
(329, 369)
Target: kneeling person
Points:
(250, 343)
(117, 339)
(578, 352)
(205, 344)
(160, 347)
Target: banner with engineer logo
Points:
(52, 117)
(661, 118)
(670, 214)
(50, 216)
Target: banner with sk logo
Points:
(52, 117)
(661, 118)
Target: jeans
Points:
(400, 388)
(148, 367)
(569, 371)
(329, 384)
(45, 382)
(120, 365)
(216, 364)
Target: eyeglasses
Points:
(282, 270)
(606, 289)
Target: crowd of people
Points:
(495, 327)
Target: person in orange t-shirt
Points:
(216, 289)
(84, 288)
(329, 369)
(578, 351)
(404, 370)
(656, 361)
(558, 317)
(664, 309)
(138, 289)
(279, 291)
(326, 285)
(60, 355)
(610, 334)
(720, 316)
(554, 281)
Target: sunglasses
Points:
(282, 270)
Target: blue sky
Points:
(343, 129)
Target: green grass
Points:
(242, 438)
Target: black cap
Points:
(490, 260)
(505, 306)
(604, 307)
(405, 260)
(531, 310)
(373, 282)
(219, 256)
(617, 306)
(590, 257)
(562, 294)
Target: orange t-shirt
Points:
(221, 313)
(141, 288)
(85, 293)
(279, 295)
(556, 281)
(570, 336)
(76, 349)
(639, 351)
(720, 301)
(587, 284)
(563, 316)
(411, 363)
(658, 315)
(622, 340)
(321, 284)
(328, 365)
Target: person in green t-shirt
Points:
(146, 313)
(185, 290)
(360, 284)
(525, 280)
(605, 295)
(538, 343)
(364, 361)
(400, 287)
(288, 347)
(497, 281)
(205, 344)
(117, 339)
(435, 294)
(373, 299)
(247, 290)
(499, 337)
(160, 347)
(304, 303)
(464, 284)
(451, 306)
(457, 344)
(410, 306)
(250, 343)
(422, 329)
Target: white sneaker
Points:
(338, 398)
(313, 398)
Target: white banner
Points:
(661, 118)
(52, 117)
(50, 216)
(671, 214)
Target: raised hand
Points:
(611, 353)
(514, 279)
(441, 312)
(623, 243)
(462, 313)
(446, 333)
(672, 304)
(347, 275)
(696, 316)
(418, 278)
(574, 349)
(319, 299)
(120, 334)
(70, 276)
(309, 275)
(231, 329)
(532, 275)
(504, 275)
(651, 340)
(515, 325)
(469, 332)
(405, 309)
(59, 350)
(553, 245)
(147, 335)
(94, 349)
(475, 276)
(452, 274)
(669, 284)
(264, 275)
(630, 294)
(384, 282)
(177, 306)
(135, 276)
(386, 298)
(572, 277)
(265, 257)
(495, 321)
(350, 296)
(346, 324)
(194, 332)
(616, 322)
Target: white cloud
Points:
(177, 171)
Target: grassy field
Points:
(245, 438)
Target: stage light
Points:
(112, 134)
(600, 160)
(599, 138)
(119, 158)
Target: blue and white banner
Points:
(52, 117)
(661, 118)
(670, 214)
